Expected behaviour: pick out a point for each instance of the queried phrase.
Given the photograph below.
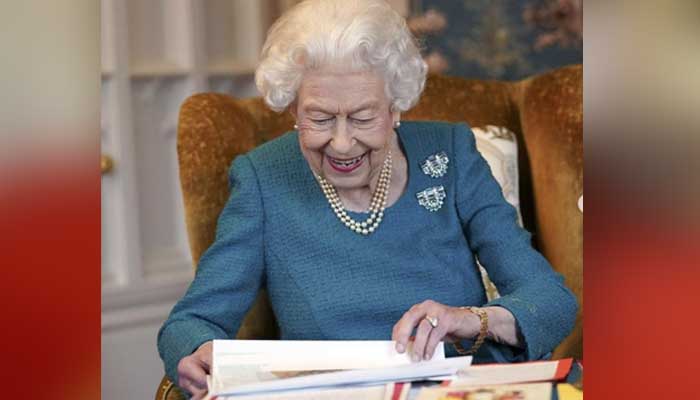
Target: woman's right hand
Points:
(192, 371)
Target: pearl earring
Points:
(296, 127)
(397, 124)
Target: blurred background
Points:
(156, 53)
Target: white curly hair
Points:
(361, 34)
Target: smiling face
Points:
(345, 125)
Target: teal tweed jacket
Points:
(326, 282)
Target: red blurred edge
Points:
(641, 275)
(50, 230)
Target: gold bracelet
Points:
(483, 331)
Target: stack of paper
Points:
(252, 366)
(325, 370)
(501, 381)
(499, 374)
(379, 392)
(372, 376)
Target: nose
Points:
(342, 140)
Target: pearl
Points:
(377, 202)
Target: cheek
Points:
(311, 141)
(312, 148)
(378, 139)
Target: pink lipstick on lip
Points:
(344, 168)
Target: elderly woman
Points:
(360, 226)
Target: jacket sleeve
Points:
(228, 276)
(543, 307)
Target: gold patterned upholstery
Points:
(545, 112)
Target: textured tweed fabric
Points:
(326, 282)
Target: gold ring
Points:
(433, 321)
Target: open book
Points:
(262, 366)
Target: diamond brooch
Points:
(435, 166)
(431, 198)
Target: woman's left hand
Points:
(452, 324)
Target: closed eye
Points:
(362, 120)
(322, 121)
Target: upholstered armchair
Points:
(544, 112)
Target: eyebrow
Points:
(364, 106)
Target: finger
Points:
(403, 328)
(193, 372)
(205, 357)
(199, 395)
(200, 382)
(205, 364)
(444, 328)
(435, 336)
(422, 333)
(187, 385)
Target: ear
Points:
(396, 116)
(292, 108)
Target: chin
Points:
(346, 182)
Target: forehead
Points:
(340, 90)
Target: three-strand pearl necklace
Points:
(377, 204)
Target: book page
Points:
(238, 362)
(352, 393)
(371, 376)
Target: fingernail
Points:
(416, 357)
(400, 348)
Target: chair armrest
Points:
(168, 391)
